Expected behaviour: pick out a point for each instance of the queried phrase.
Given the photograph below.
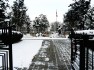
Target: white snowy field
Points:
(24, 51)
(52, 36)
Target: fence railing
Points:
(82, 47)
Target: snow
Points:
(52, 36)
(16, 32)
(88, 32)
(12, 31)
(27, 36)
(24, 51)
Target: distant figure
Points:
(59, 30)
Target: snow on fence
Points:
(88, 32)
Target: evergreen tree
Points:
(3, 6)
(75, 17)
(41, 23)
(19, 14)
(90, 19)
(28, 22)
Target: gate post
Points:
(82, 55)
(10, 49)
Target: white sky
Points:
(48, 8)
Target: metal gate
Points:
(6, 48)
(82, 48)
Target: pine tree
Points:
(2, 13)
(41, 23)
(19, 14)
(27, 24)
(75, 17)
(90, 19)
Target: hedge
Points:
(6, 39)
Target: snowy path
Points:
(24, 51)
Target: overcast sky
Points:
(48, 8)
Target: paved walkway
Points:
(63, 53)
(42, 60)
(53, 55)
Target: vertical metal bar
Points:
(87, 59)
(75, 47)
(82, 55)
(7, 59)
(92, 59)
(2, 62)
(71, 52)
(10, 49)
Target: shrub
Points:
(7, 39)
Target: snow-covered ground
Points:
(29, 37)
(52, 36)
(24, 51)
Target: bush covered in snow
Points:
(6, 38)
